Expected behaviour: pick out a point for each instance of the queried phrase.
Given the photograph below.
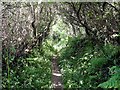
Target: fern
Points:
(114, 81)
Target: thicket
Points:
(31, 72)
(87, 65)
(84, 36)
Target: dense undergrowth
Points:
(84, 63)
(89, 66)
(34, 73)
(84, 36)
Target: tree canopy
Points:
(85, 36)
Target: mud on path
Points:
(56, 75)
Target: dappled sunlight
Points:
(70, 45)
(57, 74)
(59, 34)
(59, 84)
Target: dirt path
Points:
(56, 75)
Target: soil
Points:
(56, 75)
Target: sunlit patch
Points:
(59, 84)
(81, 82)
(85, 58)
(35, 58)
(19, 39)
(57, 74)
(26, 50)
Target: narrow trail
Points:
(56, 75)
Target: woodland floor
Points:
(56, 75)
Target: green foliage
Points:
(36, 72)
(86, 62)
(85, 65)
(98, 62)
(114, 80)
(48, 48)
(110, 50)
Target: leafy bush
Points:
(114, 80)
(85, 65)
(36, 72)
